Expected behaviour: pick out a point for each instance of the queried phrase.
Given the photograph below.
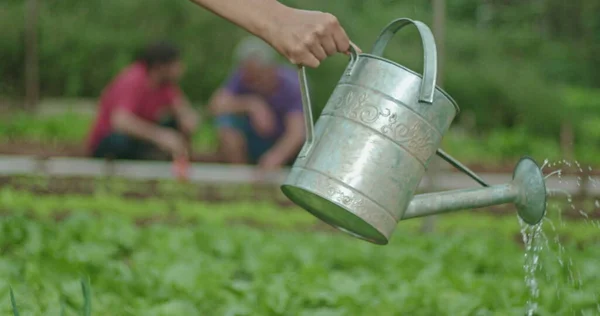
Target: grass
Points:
(499, 147)
(49, 129)
(471, 265)
(13, 303)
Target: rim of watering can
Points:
(414, 73)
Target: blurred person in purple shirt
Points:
(258, 110)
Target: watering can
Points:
(364, 158)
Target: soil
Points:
(46, 150)
(39, 149)
(201, 192)
(139, 190)
(173, 220)
(207, 193)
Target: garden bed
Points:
(170, 267)
(579, 208)
(46, 150)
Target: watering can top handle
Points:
(353, 53)
(429, 50)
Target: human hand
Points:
(307, 37)
(181, 169)
(271, 161)
(261, 116)
(173, 142)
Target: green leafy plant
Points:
(87, 300)
(13, 303)
(256, 258)
(473, 264)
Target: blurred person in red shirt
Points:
(142, 113)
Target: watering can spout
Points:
(527, 191)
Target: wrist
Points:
(289, 145)
(267, 25)
(281, 152)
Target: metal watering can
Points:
(363, 160)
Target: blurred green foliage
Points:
(499, 146)
(22, 126)
(522, 65)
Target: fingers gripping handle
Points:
(352, 51)
(428, 83)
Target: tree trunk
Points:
(32, 84)
(484, 14)
(567, 139)
(438, 29)
(429, 222)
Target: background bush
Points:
(525, 65)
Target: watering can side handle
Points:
(307, 110)
(428, 83)
(307, 105)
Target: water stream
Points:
(533, 247)
(537, 243)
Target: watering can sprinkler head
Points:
(363, 161)
(531, 200)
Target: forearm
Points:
(236, 106)
(184, 112)
(289, 144)
(256, 16)
(225, 103)
(186, 117)
(129, 124)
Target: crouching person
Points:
(258, 111)
(142, 112)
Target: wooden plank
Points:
(13, 165)
(32, 80)
(156, 170)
